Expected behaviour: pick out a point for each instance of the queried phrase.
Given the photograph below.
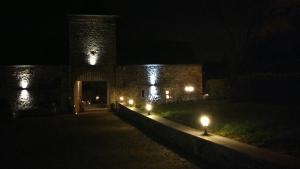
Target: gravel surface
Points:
(88, 141)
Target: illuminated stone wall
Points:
(92, 40)
(159, 83)
(92, 46)
(34, 88)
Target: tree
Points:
(244, 23)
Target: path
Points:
(88, 141)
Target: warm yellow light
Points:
(204, 120)
(148, 107)
(189, 88)
(167, 91)
(121, 98)
(130, 102)
(97, 97)
(167, 97)
(192, 88)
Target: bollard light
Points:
(148, 108)
(204, 120)
(130, 102)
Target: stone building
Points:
(159, 83)
(93, 79)
(92, 45)
(92, 40)
(34, 89)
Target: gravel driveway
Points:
(97, 140)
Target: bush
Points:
(218, 88)
(267, 87)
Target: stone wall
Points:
(150, 83)
(35, 88)
(92, 45)
(92, 40)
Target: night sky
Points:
(148, 31)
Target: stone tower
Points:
(92, 54)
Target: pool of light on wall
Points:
(94, 50)
(24, 75)
(153, 71)
(92, 60)
(24, 78)
(24, 83)
(24, 100)
(153, 93)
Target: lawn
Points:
(265, 125)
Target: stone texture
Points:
(154, 80)
(34, 88)
(92, 45)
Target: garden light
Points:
(148, 108)
(204, 120)
(130, 102)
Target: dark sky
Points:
(36, 32)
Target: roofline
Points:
(153, 64)
(88, 15)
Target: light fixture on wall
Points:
(189, 89)
(93, 57)
(167, 95)
(93, 52)
(24, 83)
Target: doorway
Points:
(94, 95)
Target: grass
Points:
(265, 125)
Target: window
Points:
(143, 93)
(167, 92)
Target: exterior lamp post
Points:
(204, 120)
(130, 102)
(148, 108)
(121, 99)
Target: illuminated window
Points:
(168, 94)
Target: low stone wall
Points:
(206, 150)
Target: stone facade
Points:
(35, 88)
(159, 83)
(92, 45)
(92, 49)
